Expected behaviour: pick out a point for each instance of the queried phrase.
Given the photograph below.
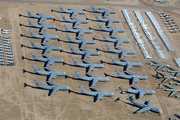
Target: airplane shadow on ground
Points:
(26, 25)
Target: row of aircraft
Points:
(86, 53)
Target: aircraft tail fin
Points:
(81, 88)
(113, 59)
(130, 97)
(61, 7)
(71, 48)
(37, 82)
(29, 13)
(77, 74)
(100, 26)
(68, 37)
(30, 23)
(93, 8)
(34, 55)
(75, 61)
(35, 68)
(104, 36)
(31, 32)
(96, 16)
(32, 43)
(108, 47)
(118, 72)
(63, 17)
(66, 27)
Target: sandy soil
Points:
(19, 102)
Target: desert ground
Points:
(21, 100)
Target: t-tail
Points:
(61, 8)
(68, 37)
(71, 48)
(29, 13)
(93, 8)
(35, 68)
(118, 72)
(130, 97)
(32, 43)
(63, 17)
(96, 16)
(113, 59)
(34, 55)
(81, 88)
(30, 23)
(37, 82)
(31, 32)
(104, 36)
(75, 61)
(108, 47)
(66, 27)
(77, 74)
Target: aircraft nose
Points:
(90, 31)
(57, 37)
(98, 53)
(107, 79)
(147, 77)
(55, 26)
(112, 94)
(68, 88)
(102, 65)
(154, 92)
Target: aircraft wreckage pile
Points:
(99, 94)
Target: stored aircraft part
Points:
(151, 37)
(177, 61)
(143, 47)
(160, 31)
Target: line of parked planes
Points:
(6, 51)
(99, 94)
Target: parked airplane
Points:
(49, 60)
(166, 77)
(148, 106)
(9, 50)
(89, 65)
(9, 53)
(75, 20)
(81, 41)
(121, 52)
(7, 42)
(111, 29)
(98, 93)
(174, 70)
(86, 53)
(8, 45)
(42, 26)
(9, 56)
(45, 37)
(1, 49)
(2, 57)
(1, 46)
(140, 92)
(40, 16)
(108, 20)
(172, 89)
(51, 73)
(3, 63)
(2, 60)
(132, 76)
(78, 31)
(10, 62)
(93, 79)
(46, 48)
(128, 64)
(72, 11)
(53, 87)
(160, 65)
(104, 11)
(12, 59)
(7, 39)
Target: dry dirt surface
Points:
(21, 100)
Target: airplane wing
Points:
(109, 21)
(52, 75)
(134, 80)
(163, 74)
(169, 86)
(128, 66)
(54, 84)
(87, 54)
(172, 93)
(47, 38)
(99, 96)
(138, 88)
(51, 69)
(50, 62)
(83, 43)
(146, 108)
(55, 89)
(81, 32)
(94, 81)
(48, 56)
(74, 13)
(141, 94)
(92, 75)
(44, 28)
(174, 69)
(91, 67)
(113, 32)
(155, 62)
(48, 49)
(78, 22)
(89, 62)
(159, 67)
(42, 18)
(123, 53)
(131, 73)
(97, 90)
